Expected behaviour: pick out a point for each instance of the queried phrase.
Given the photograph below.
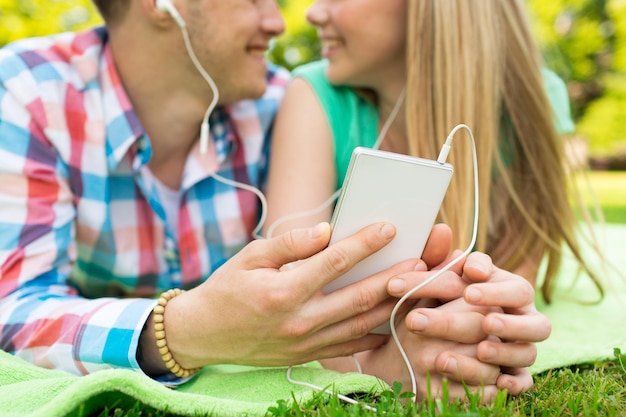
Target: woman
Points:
(459, 62)
(443, 62)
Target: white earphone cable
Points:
(441, 159)
(300, 214)
(390, 119)
(204, 133)
(204, 128)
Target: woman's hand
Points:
(435, 360)
(495, 313)
(519, 325)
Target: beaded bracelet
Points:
(159, 333)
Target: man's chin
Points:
(259, 93)
(254, 92)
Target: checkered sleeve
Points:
(42, 319)
(51, 327)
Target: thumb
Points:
(290, 246)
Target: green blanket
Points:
(584, 332)
(26, 390)
(581, 333)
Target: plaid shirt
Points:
(84, 243)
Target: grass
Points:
(588, 390)
(609, 189)
(582, 391)
(597, 389)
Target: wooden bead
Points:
(158, 317)
(175, 368)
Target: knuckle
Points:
(527, 292)
(493, 374)
(481, 373)
(449, 324)
(547, 329)
(359, 328)
(364, 300)
(453, 281)
(479, 256)
(372, 243)
(470, 372)
(338, 260)
(288, 239)
(279, 299)
(439, 325)
(532, 354)
(295, 329)
(255, 246)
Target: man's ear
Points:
(168, 7)
(162, 12)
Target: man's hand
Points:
(250, 311)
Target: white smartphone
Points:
(383, 186)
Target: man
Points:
(106, 201)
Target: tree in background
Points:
(604, 119)
(299, 44)
(584, 41)
(26, 18)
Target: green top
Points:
(353, 121)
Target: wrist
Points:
(161, 328)
(148, 356)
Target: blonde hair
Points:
(475, 62)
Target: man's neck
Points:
(165, 100)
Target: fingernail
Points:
(488, 354)
(387, 231)
(316, 231)
(451, 366)
(508, 385)
(473, 295)
(496, 325)
(418, 322)
(480, 266)
(420, 266)
(397, 286)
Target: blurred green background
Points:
(584, 41)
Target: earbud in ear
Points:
(168, 7)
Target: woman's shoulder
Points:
(314, 73)
(556, 90)
(311, 69)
